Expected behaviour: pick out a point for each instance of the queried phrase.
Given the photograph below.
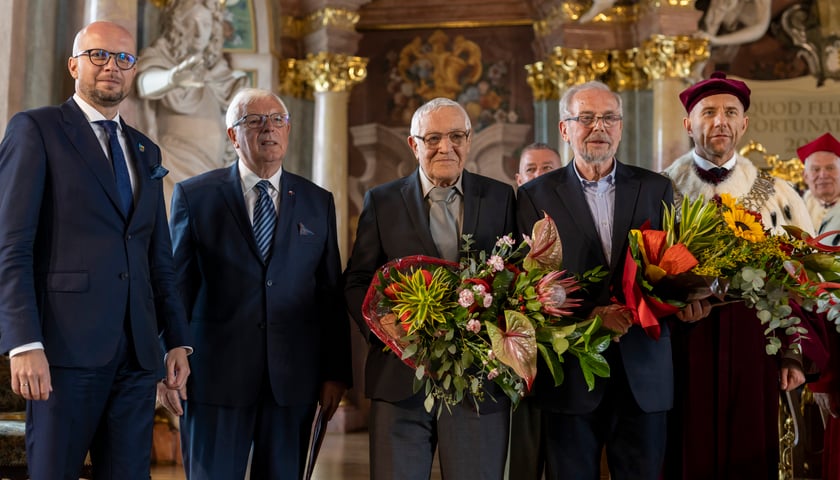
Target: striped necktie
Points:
(265, 218)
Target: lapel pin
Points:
(291, 193)
(141, 147)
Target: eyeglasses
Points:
(609, 119)
(456, 138)
(100, 57)
(255, 120)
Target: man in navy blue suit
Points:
(595, 201)
(258, 267)
(88, 282)
(397, 222)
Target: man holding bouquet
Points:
(595, 201)
(425, 213)
(725, 416)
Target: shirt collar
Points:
(92, 114)
(609, 178)
(250, 179)
(707, 165)
(427, 184)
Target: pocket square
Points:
(158, 172)
(303, 231)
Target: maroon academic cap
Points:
(824, 143)
(716, 84)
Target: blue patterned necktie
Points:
(118, 161)
(264, 219)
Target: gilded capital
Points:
(292, 80)
(539, 79)
(332, 72)
(573, 66)
(626, 72)
(677, 56)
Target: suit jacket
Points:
(639, 197)
(395, 223)
(282, 319)
(74, 268)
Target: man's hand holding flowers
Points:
(694, 311)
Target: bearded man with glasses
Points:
(595, 201)
(399, 220)
(88, 282)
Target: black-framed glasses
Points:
(456, 138)
(257, 120)
(101, 57)
(589, 120)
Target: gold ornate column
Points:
(545, 104)
(669, 61)
(331, 76)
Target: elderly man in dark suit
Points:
(595, 201)
(397, 222)
(86, 262)
(258, 267)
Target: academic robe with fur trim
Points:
(724, 422)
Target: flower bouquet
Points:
(486, 318)
(720, 249)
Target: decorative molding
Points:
(539, 79)
(573, 66)
(445, 25)
(673, 56)
(327, 17)
(626, 72)
(332, 72)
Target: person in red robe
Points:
(724, 422)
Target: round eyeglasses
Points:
(256, 120)
(456, 138)
(100, 57)
(589, 120)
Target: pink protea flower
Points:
(553, 293)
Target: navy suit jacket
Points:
(74, 268)
(639, 197)
(394, 224)
(283, 319)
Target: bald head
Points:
(102, 86)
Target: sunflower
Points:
(744, 225)
(728, 201)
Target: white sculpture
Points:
(734, 22)
(186, 84)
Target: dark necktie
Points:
(264, 219)
(442, 222)
(120, 166)
(714, 175)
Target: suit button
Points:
(261, 326)
(128, 237)
(123, 276)
(269, 283)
